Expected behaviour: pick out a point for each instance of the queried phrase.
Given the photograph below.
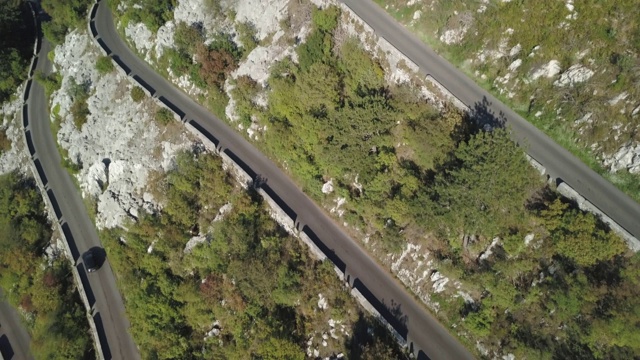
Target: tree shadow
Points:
(371, 340)
(484, 117)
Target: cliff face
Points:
(120, 146)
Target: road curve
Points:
(14, 338)
(559, 162)
(109, 313)
(426, 336)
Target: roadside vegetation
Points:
(246, 290)
(16, 45)
(40, 285)
(604, 38)
(104, 65)
(5, 142)
(413, 173)
(63, 17)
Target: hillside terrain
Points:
(203, 268)
(572, 68)
(35, 274)
(452, 210)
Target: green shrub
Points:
(104, 65)
(247, 34)
(16, 45)
(5, 143)
(137, 94)
(66, 15)
(80, 112)
(41, 286)
(164, 116)
(51, 82)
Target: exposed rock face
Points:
(16, 157)
(627, 157)
(574, 75)
(119, 145)
(551, 69)
(141, 37)
(264, 15)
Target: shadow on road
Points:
(97, 319)
(108, 51)
(5, 348)
(485, 117)
(32, 149)
(181, 113)
(40, 171)
(115, 58)
(25, 113)
(283, 205)
(54, 203)
(85, 284)
(252, 174)
(72, 244)
(392, 312)
(145, 85)
(27, 89)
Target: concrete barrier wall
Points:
(41, 181)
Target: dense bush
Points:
(16, 45)
(44, 290)
(79, 94)
(65, 15)
(249, 277)
(413, 173)
(153, 13)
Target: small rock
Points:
(551, 69)
(327, 188)
(574, 75)
(322, 302)
(528, 239)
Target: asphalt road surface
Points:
(426, 336)
(103, 294)
(14, 338)
(560, 163)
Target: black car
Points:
(90, 262)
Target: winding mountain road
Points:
(425, 335)
(14, 338)
(559, 163)
(109, 313)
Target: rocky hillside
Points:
(570, 67)
(453, 213)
